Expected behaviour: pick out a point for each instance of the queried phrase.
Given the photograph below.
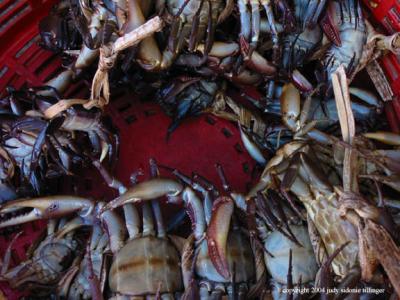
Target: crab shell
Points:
(145, 265)
(303, 259)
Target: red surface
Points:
(194, 146)
(387, 13)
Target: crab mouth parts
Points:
(17, 215)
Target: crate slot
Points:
(388, 24)
(226, 132)
(31, 58)
(395, 14)
(149, 113)
(11, 6)
(130, 119)
(21, 51)
(12, 14)
(12, 81)
(210, 120)
(238, 148)
(3, 71)
(246, 167)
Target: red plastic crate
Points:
(194, 146)
(387, 13)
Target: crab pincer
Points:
(217, 234)
(44, 208)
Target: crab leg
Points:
(393, 181)
(274, 32)
(65, 282)
(270, 218)
(314, 10)
(195, 28)
(207, 201)
(212, 22)
(61, 82)
(132, 220)
(388, 138)
(68, 227)
(245, 20)
(250, 26)
(150, 57)
(111, 221)
(131, 214)
(94, 281)
(366, 96)
(255, 23)
(147, 190)
(251, 147)
(148, 224)
(7, 256)
(155, 204)
(325, 273)
(115, 230)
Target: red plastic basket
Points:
(196, 145)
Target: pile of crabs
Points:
(323, 213)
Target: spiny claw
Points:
(147, 190)
(44, 208)
(330, 27)
(217, 234)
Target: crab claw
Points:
(43, 208)
(217, 234)
(301, 82)
(329, 24)
(147, 190)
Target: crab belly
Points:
(238, 251)
(334, 232)
(303, 259)
(145, 265)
